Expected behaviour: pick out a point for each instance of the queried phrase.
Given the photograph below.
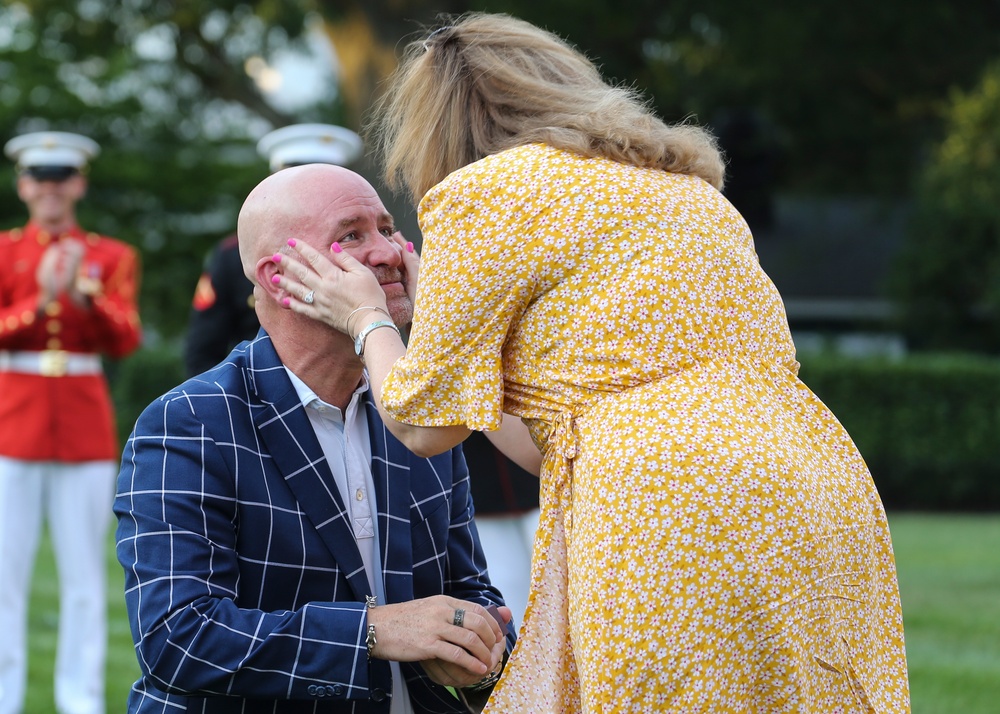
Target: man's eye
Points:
(387, 232)
(349, 236)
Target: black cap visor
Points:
(50, 173)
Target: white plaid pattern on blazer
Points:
(245, 588)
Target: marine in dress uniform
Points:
(67, 298)
(222, 311)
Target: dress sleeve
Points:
(476, 280)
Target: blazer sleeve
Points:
(195, 633)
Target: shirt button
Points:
(360, 495)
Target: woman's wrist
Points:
(365, 311)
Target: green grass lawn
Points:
(949, 582)
(949, 579)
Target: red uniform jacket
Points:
(69, 417)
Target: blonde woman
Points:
(710, 538)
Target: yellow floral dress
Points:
(710, 540)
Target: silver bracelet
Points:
(356, 310)
(370, 640)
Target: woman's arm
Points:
(514, 440)
(382, 348)
(340, 285)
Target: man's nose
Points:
(385, 251)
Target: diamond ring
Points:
(310, 296)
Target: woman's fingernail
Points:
(286, 302)
(291, 242)
(275, 279)
(276, 257)
(409, 247)
(335, 247)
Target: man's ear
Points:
(265, 270)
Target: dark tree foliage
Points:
(947, 281)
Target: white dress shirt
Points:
(347, 446)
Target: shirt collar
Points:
(307, 396)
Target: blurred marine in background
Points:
(67, 297)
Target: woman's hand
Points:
(411, 265)
(327, 288)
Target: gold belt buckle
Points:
(53, 363)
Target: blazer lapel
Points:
(291, 442)
(391, 475)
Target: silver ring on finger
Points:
(310, 297)
(459, 619)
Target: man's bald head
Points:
(320, 204)
(288, 204)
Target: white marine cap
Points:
(51, 148)
(309, 144)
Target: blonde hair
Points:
(486, 83)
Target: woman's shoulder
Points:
(531, 165)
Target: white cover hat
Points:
(51, 148)
(309, 144)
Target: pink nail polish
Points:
(275, 279)
(286, 301)
(276, 257)
(291, 242)
(335, 247)
(409, 247)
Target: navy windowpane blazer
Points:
(244, 586)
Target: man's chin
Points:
(400, 310)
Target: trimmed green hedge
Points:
(927, 425)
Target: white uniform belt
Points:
(50, 363)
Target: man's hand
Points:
(73, 251)
(47, 275)
(425, 631)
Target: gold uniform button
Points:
(44, 237)
(53, 308)
(11, 322)
(27, 317)
(54, 327)
(53, 343)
